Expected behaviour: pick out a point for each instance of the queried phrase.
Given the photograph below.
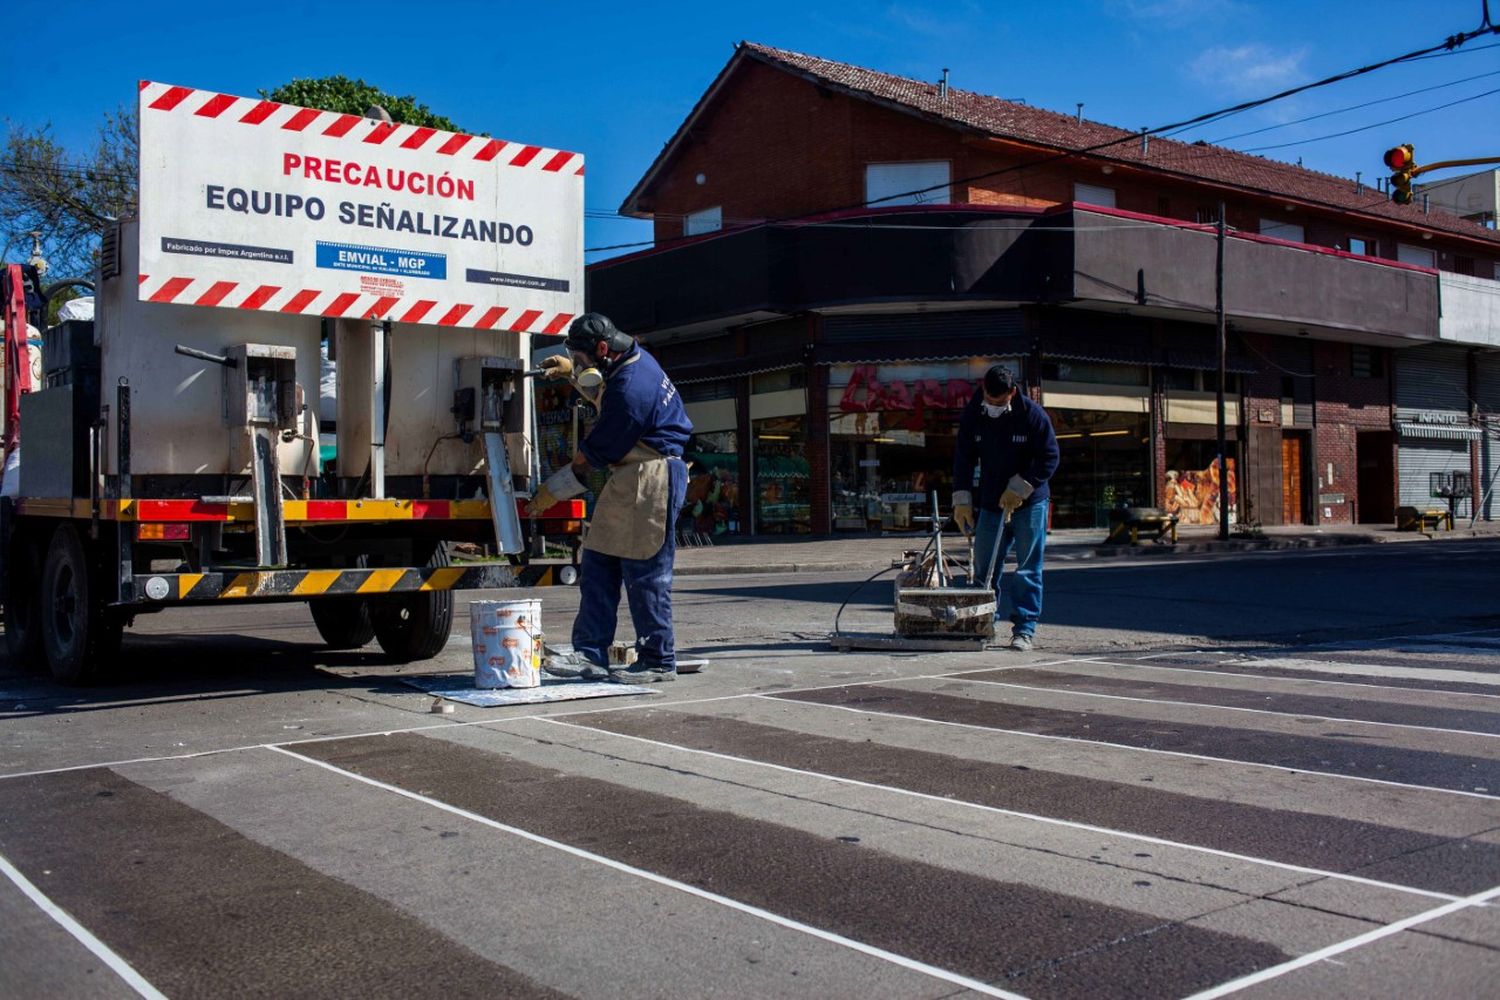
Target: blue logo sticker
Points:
(382, 260)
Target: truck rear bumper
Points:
(160, 589)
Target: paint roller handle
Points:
(217, 359)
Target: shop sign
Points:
(1442, 417)
(1331, 498)
(865, 393)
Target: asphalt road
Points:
(1274, 775)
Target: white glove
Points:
(561, 485)
(963, 511)
(1016, 492)
(558, 366)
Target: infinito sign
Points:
(250, 204)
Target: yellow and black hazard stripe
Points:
(303, 584)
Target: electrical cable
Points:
(1366, 128)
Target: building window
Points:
(787, 378)
(1362, 246)
(923, 182)
(1197, 380)
(1289, 231)
(1366, 362)
(1098, 373)
(1207, 215)
(1093, 194)
(709, 220)
(1420, 256)
(783, 493)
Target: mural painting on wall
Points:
(1193, 495)
(866, 394)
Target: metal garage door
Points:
(1417, 459)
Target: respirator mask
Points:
(586, 373)
(994, 409)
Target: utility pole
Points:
(1219, 323)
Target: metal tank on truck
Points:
(171, 455)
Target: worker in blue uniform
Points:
(1011, 440)
(640, 436)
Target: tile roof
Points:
(995, 117)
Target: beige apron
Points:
(630, 516)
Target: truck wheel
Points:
(415, 627)
(78, 632)
(343, 623)
(21, 582)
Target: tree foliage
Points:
(354, 97)
(68, 197)
(71, 195)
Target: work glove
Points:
(963, 511)
(561, 485)
(558, 366)
(1016, 492)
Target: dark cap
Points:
(590, 328)
(999, 380)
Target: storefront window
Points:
(1190, 487)
(783, 490)
(892, 430)
(1104, 461)
(712, 506)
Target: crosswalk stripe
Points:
(1339, 668)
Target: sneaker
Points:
(1020, 642)
(642, 673)
(571, 665)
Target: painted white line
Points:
(99, 949)
(1342, 669)
(1275, 971)
(1225, 708)
(1049, 820)
(1466, 695)
(482, 722)
(876, 713)
(733, 904)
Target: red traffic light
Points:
(1401, 157)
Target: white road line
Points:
(1342, 669)
(1049, 820)
(1290, 680)
(1275, 971)
(1227, 708)
(99, 949)
(1126, 746)
(733, 904)
(481, 722)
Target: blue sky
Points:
(613, 80)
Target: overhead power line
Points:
(1366, 128)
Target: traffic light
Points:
(1401, 159)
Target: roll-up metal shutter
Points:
(1488, 385)
(1489, 471)
(1417, 459)
(1433, 378)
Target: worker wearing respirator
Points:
(1011, 439)
(640, 435)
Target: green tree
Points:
(71, 196)
(353, 97)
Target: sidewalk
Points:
(807, 554)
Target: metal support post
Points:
(503, 513)
(378, 333)
(1219, 323)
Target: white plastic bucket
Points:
(507, 643)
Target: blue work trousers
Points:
(648, 589)
(1027, 531)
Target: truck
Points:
(171, 456)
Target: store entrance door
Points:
(1293, 477)
(1374, 454)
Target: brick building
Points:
(841, 253)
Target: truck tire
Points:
(77, 632)
(344, 623)
(415, 627)
(21, 583)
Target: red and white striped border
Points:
(252, 111)
(312, 302)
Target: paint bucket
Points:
(507, 643)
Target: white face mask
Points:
(992, 410)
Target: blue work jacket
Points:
(640, 406)
(1020, 442)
